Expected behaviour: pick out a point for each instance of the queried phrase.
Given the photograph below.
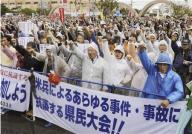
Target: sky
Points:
(139, 4)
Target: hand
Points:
(71, 44)
(129, 57)
(13, 41)
(31, 50)
(147, 37)
(186, 62)
(141, 47)
(165, 103)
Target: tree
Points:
(27, 11)
(44, 11)
(107, 6)
(4, 9)
(181, 10)
(124, 11)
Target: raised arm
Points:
(106, 52)
(64, 50)
(146, 62)
(39, 56)
(65, 68)
(76, 51)
(11, 55)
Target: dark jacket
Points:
(29, 61)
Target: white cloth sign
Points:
(85, 111)
(15, 89)
(24, 40)
(42, 48)
(27, 26)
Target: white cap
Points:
(59, 35)
(163, 42)
(102, 22)
(152, 35)
(94, 46)
(115, 28)
(119, 48)
(138, 29)
(80, 29)
(49, 47)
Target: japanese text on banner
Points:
(86, 111)
(15, 89)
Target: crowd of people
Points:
(153, 56)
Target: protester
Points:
(53, 62)
(113, 44)
(93, 66)
(29, 61)
(183, 61)
(8, 53)
(119, 72)
(162, 80)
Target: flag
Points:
(63, 1)
(61, 13)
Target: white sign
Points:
(42, 47)
(85, 111)
(15, 89)
(27, 26)
(24, 40)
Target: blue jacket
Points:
(170, 87)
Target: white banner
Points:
(24, 40)
(85, 111)
(15, 89)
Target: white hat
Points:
(59, 35)
(102, 22)
(49, 47)
(138, 29)
(80, 29)
(175, 33)
(115, 28)
(52, 49)
(119, 48)
(163, 42)
(152, 35)
(94, 46)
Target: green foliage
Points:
(107, 4)
(189, 103)
(4, 9)
(124, 11)
(44, 11)
(27, 11)
(181, 10)
(137, 10)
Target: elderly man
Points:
(53, 62)
(162, 80)
(93, 65)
